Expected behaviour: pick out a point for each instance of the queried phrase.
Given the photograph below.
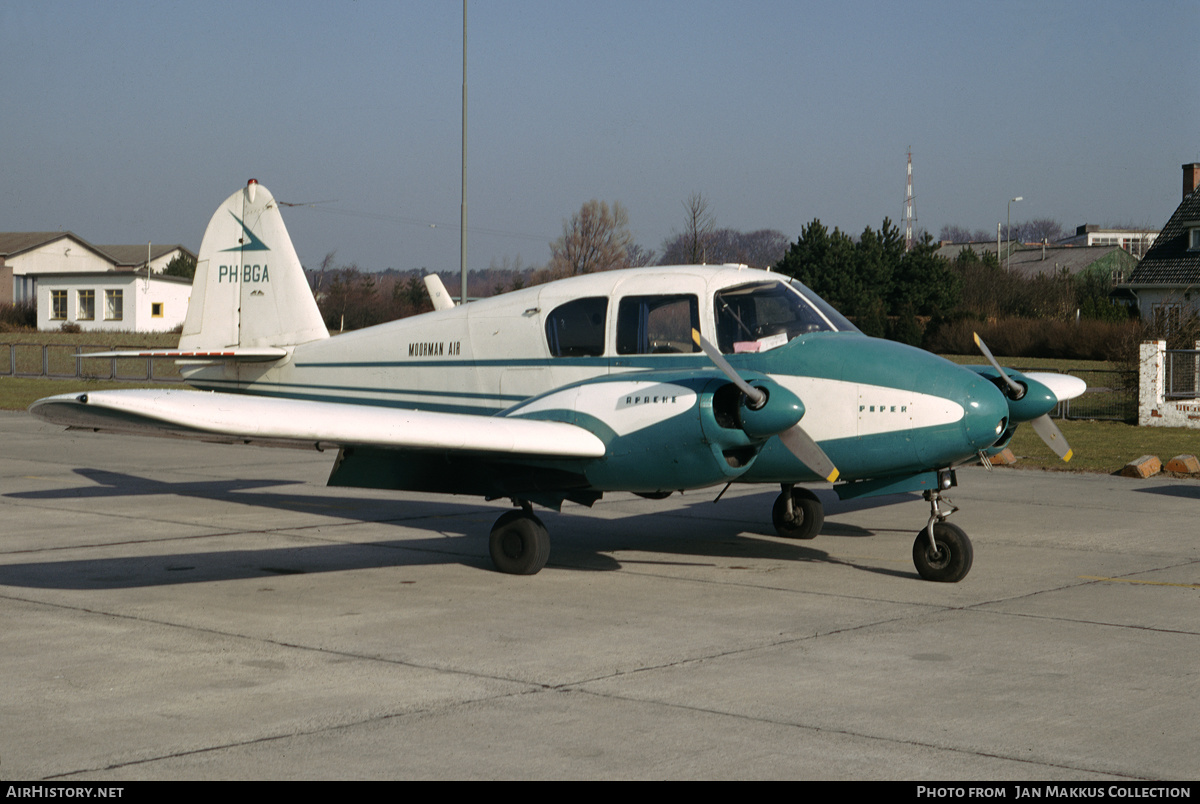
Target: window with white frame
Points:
(1194, 238)
(1168, 317)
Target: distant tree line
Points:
(1034, 231)
(913, 296)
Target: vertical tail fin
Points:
(250, 289)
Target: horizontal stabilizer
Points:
(302, 423)
(260, 354)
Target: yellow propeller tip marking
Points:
(696, 337)
(1069, 454)
(833, 476)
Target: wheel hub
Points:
(512, 545)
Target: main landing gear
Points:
(942, 552)
(520, 543)
(797, 513)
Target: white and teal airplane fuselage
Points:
(645, 380)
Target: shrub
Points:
(18, 317)
(1024, 337)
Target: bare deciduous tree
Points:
(638, 257)
(593, 239)
(698, 228)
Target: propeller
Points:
(1059, 389)
(783, 420)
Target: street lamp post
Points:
(1008, 233)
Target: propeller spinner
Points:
(1048, 390)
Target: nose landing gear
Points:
(942, 552)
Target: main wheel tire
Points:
(807, 515)
(519, 544)
(951, 562)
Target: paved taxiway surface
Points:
(176, 610)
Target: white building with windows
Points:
(1136, 241)
(128, 301)
(26, 256)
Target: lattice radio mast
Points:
(910, 210)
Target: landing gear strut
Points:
(942, 552)
(520, 543)
(797, 513)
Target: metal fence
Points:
(62, 361)
(1182, 372)
(1110, 394)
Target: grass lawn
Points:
(1103, 447)
(109, 340)
(20, 393)
(1036, 363)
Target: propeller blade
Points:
(1049, 432)
(1013, 385)
(803, 447)
(756, 397)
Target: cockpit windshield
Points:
(763, 315)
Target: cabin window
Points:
(58, 305)
(763, 315)
(576, 329)
(114, 305)
(87, 305)
(657, 325)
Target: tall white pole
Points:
(462, 232)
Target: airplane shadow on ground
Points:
(579, 542)
(1189, 492)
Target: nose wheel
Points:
(942, 552)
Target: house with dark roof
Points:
(26, 256)
(1166, 283)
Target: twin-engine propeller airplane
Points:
(645, 380)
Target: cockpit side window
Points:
(576, 329)
(763, 315)
(657, 324)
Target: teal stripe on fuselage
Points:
(284, 389)
(233, 388)
(668, 361)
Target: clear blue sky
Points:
(126, 122)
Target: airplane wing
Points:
(234, 418)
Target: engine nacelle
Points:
(663, 430)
